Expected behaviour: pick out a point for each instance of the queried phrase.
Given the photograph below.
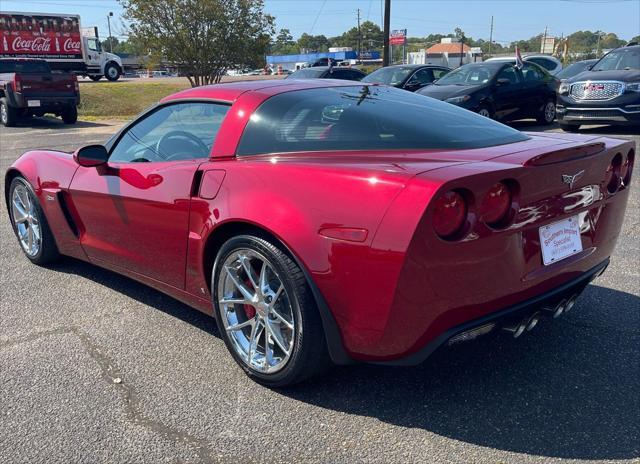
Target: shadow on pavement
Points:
(50, 122)
(569, 389)
(138, 292)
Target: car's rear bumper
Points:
(505, 316)
(46, 104)
(571, 114)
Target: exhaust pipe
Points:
(517, 328)
(557, 310)
(533, 321)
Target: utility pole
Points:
(461, 49)
(387, 25)
(598, 44)
(544, 41)
(491, 36)
(359, 35)
(109, 23)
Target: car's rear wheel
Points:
(70, 115)
(548, 113)
(570, 127)
(266, 312)
(30, 224)
(8, 114)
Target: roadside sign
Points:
(398, 37)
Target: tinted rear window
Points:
(306, 73)
(24, 67)
(366, 118)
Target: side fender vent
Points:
(62, 201)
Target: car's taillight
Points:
(17, 83)
(449, 214)
(76, 86)
(496, 204)
(612, 176)
(627, 168)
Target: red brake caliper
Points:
(249, 310)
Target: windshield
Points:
(24, 67)
(574, 69)
(307, 73)
(390, 76)
(366, 117)
(470, 75)
(620, 59)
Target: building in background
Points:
(294, 62)
(446, 53)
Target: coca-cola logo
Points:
(71, 45)
(38, 44)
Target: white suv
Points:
(551, 64)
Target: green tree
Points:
(202, 37)
(370, 34)
(318, 43)
(283, 44)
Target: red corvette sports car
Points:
(331, 221)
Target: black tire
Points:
(8, 115)
(95, 78)
(570, 127)
(544, 117)
(48, 252)
(486, 111)
(70, 115)
(309, 356)
(112, 72)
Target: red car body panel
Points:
(358, 223)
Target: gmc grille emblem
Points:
(594, 87)
(571, 179)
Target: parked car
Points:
(575, 69)
(326, 72)
(332, 220)
(609, 93)
(499, 90)
(29, 88)
(409, 77)
(550, 63)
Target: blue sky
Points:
(513, 19)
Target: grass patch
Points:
(121, 100)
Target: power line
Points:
(317, 16)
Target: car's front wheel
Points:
(547, 113)
(266, 312)
(30, 224)
(486, 111)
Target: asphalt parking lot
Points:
(98, 368)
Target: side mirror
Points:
(91, 156)
(504, 81)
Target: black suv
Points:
(607, 94)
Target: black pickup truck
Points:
(29, 88)
(607, 93)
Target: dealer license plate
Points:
(32, 103)
(560, 240)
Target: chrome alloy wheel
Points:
(4, 115)
(25, 218)
(256, 311)
(549, 112)
(484, 112)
